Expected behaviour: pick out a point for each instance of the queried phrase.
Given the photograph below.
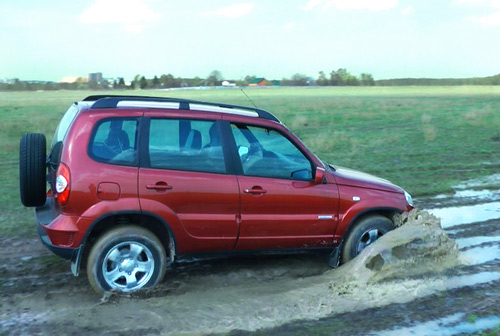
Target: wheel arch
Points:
(387, 212)
(157, 225)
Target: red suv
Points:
(137, 183)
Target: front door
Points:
(281, 206)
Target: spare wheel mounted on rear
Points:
(32, 169)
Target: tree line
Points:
(490, 80)
(339, 77)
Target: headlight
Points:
(408, 198)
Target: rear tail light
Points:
(62, 184)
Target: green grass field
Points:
(425, 139)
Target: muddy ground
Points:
(455, 291)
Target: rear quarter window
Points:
(115, 141)
(64, 124)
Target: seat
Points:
(193, 141)
(118, 139)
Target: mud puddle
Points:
(416, 279)
(480, 190)
(454, 216)
(461, 299)
(448, 325)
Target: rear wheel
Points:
(126, 259)
(32, 169)
(364, 233)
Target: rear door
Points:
(281, 206)
(185, 172)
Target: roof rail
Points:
(112, 101)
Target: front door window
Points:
(267, 153)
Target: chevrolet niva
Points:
(138, 183)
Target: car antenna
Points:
(251, 101)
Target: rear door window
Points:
(181, 144)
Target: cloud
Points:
(374, 5)
(491, 20)
(407, 11)
(472, 2)
(233, 12)
(133, 15)
(311, 4)
(289, 26)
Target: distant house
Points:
(228, 84)
(260, 81)
(73, 79)
(95, 77)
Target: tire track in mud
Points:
(470, 304)
(258, 293)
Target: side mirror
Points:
(320, 175)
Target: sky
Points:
(48, 40)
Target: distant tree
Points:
(299, 80)
(343, 77)
(367, 79)
(169, 81)
(350, 80)
(241, 82)
(334, 78)
(322, 80)
(93, 85)
(249, 78)
(104, 84)
(136, 82)
(193, 82)
(156, 82)
(49, 86)
(215, 78)
(143, 83)
(121, 83)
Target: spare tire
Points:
(32, 169)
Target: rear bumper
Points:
(56, 231)
(69, 253)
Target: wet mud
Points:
(419, 278)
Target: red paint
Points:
(209, 212)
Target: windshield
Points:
(64, 124)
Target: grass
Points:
(425, 139)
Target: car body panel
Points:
(205, 204)
(205, 212)
(288, 214)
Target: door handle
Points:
(160, 186)
(255, 191)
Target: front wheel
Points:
(364, 233)
(126, 259)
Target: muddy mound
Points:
(418, 246)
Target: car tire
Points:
(365, 232)
(126, 259)
(32, 169)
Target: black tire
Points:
(126, 259)
(32, 169)
(365, 232)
